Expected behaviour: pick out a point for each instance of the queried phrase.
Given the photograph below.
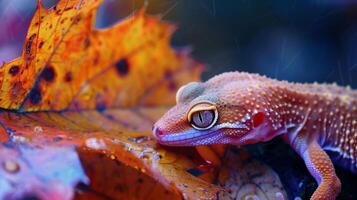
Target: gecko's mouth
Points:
(184, 138)
(193, 137)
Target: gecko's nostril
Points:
(157, 132)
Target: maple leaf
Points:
(82, 94)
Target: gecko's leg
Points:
(321, 168)
(212, 156)
(213, 153)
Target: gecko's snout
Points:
(157, 132)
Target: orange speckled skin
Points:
(312, 118)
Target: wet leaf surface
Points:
(43, 173)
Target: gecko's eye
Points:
(203, 116)
(202, 119)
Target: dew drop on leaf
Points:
(95, 143)
(139, 139)
(11, 166)
(37, 129)
(20, 139)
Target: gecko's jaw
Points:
(180, 139)
(194, 137)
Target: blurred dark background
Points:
(285, 39)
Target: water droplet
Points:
(139, 149)
(95, 143)
(202, 189)
(128, 147)
(38, 129)
(139, 139)
(11, 166)
(144, 156)
(20, 139)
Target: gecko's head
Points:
(201, 117)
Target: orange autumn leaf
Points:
(67, 64)
(96, 94)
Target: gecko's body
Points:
(242, 108)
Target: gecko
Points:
(238, 108)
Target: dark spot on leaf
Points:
(35, 95)
(122, 67)
(100, 107)
(41, 44)
(14, 70)
(86, 43)
(195, 171)
(76, 19)
(58, 12)
(29, 43)
(168, 75)
(96, 59)
(50, 26)
(172, 86)
(68, 8)
(16, 89)
(68, 77)
(48, 73)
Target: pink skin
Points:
(251, 109)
